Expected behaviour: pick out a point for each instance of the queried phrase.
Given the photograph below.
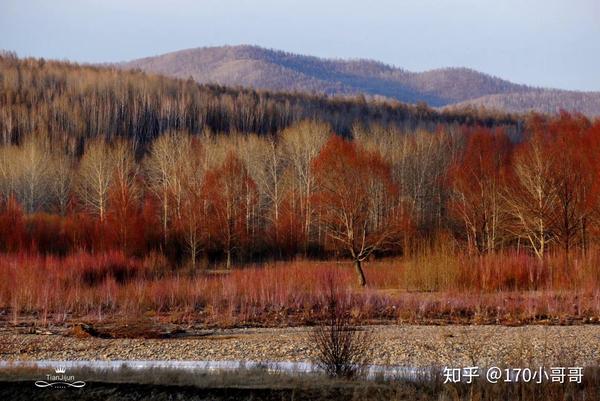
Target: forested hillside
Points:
(251, 66)
(72, 103)
(541, 100)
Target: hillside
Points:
(260, 68)
(72, 103)
(545, 101)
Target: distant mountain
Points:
(543, 100)
(260, 68)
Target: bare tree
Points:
(531, 195)
(355, 196)
(228, 188)
(271, 182)
(192, 219)
(8, 178)
(164, 167)
(418, 161)
(125, 191)
(32, 173)
(265, 165)
(301, 145)
(477, 179)
(95, 177)
(62, 176)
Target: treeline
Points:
(233, 198)
(539, 100)
(540, 194)
(71, 104)
(245, 197)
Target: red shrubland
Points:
(12, 227)
(490, 288)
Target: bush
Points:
(343, 350)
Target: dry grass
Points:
(507, 288)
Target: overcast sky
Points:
(554, 43)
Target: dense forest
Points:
(541, 100)
(70, 104)
(97, 159)
(126, 194)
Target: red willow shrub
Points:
(110, 285)
(12, 226)
(33, 281)
(519, 271)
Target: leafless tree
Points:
(125, 192)
(8, 178)
(266, 166)
(61, 173)
(419, 161)
(192, 219)
(164, 167)
(531, 197)
(95, 177)
(301, 145)
(355, 196)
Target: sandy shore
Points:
(396, 345)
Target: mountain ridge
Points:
(269, 69)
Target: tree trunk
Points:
(359, 271)
(164, 217)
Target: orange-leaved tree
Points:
(124, 199)
(477, 179)
(553, 192)
(230, 193)
(356, 200)
(574, 178)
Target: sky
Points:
(549, 43)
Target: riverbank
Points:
(404, 345)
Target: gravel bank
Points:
(397, 345)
